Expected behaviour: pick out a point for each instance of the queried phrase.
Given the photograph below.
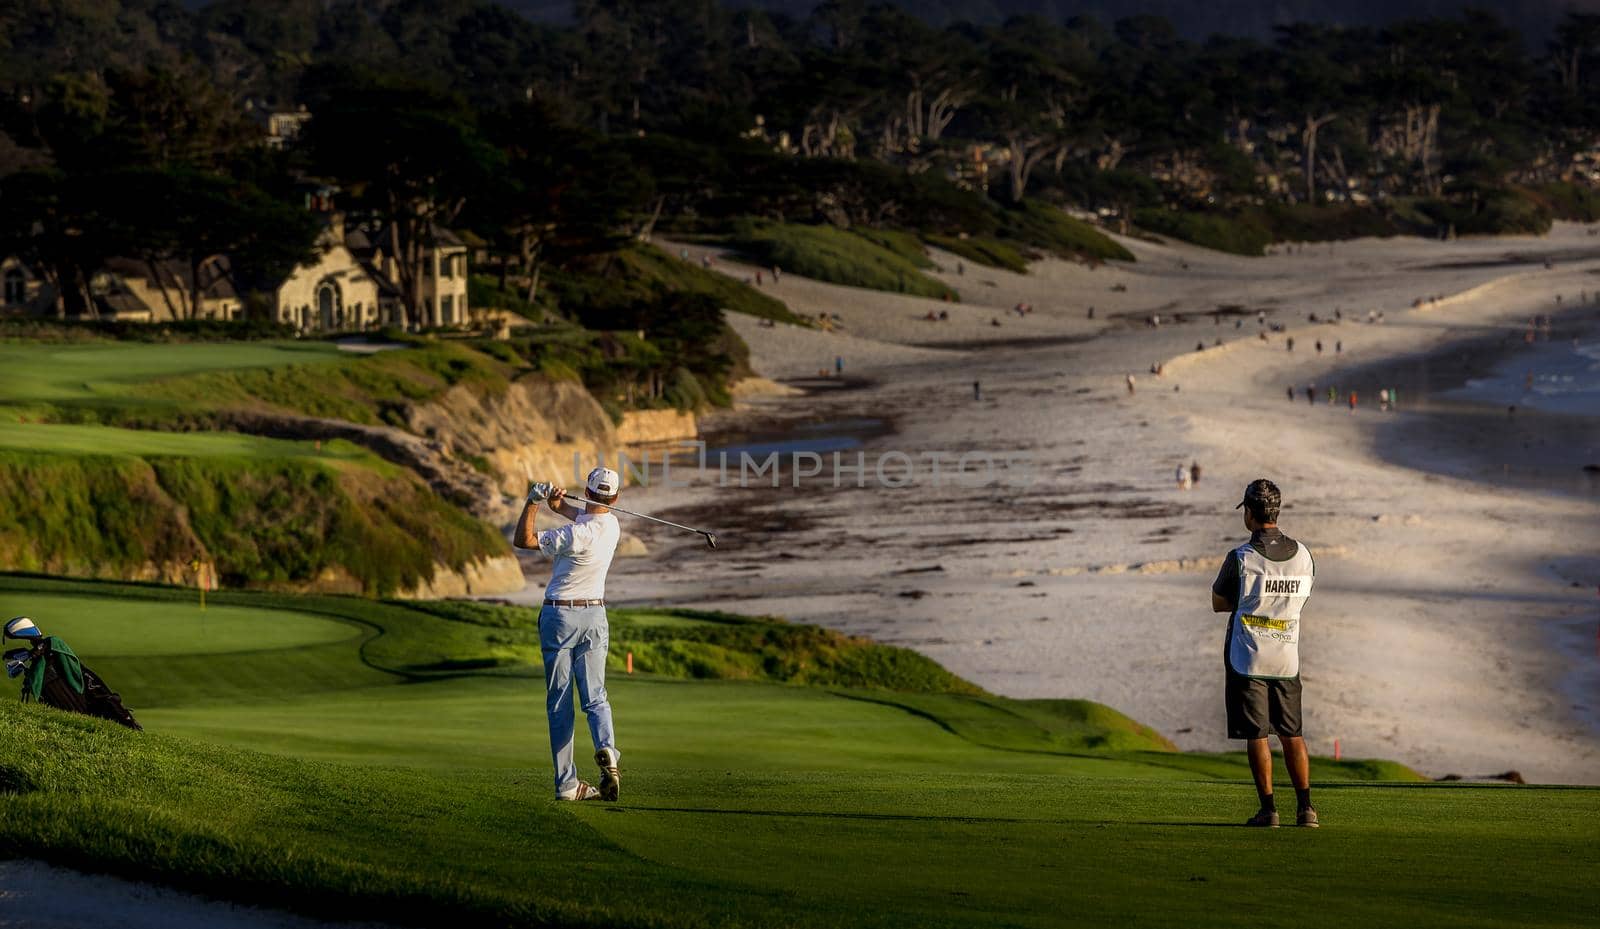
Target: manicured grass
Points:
(125, 628)
(422, 797)
(70, 439)
(45, 372)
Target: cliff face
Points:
(537, 430)
(477, 450)
(334, 526)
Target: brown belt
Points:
(574, 603)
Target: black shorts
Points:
(1258, 708)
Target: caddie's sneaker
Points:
(1264, 818)
(581, 792)
(1307, 817)
(610, 778)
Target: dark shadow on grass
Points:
(1228, 825)
(868, 817)
(917, 817)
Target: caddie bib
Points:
(1264, 631)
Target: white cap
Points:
(603, 482)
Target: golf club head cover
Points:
(22, 628)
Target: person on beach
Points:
(573, 633)
(1263, 586)
(1130, 384)
(977, 391)
(1352, 401)
(1183, 477)
(1290, 391)
(1194, 472)
(1291, 343)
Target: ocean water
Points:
(1552, 377)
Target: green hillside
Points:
(355, 764)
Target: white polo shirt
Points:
(582, 553)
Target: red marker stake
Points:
(1336, 753)
(630, 662)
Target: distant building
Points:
(442, 288)
(22, 291)
(355, 283)
(279, 126)
(338, 292)
(142, 291)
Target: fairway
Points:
(392, 789)
(44, 372)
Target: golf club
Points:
(543, 491)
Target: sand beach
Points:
(1454, 622)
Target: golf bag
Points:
(52, 673)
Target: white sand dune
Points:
(1444, 631)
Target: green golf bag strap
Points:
(67, 666)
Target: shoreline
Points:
(1094, 586)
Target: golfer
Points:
(1263, 585)
(573, 634)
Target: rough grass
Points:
(903, 244)
(277, 522)
(745, 803)
(664, 273)
(1239, 236)
(1038, 225)
(834, 255)
(990, 252)
(1569, 201)
(357, 389)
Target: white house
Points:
(442, 288)
(337, 292)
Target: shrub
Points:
(833, 255)
(990, 252)
(1241, 235)
(1048, 229)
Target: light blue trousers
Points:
(574, 641)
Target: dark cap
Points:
(1261, 495)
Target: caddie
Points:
(573, 634)
(1263, 586)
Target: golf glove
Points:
(539, 491)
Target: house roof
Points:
(120, 303)
(214, 278)
(435, 235)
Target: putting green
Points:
(84, 372)
(108, 440)
(98, 628)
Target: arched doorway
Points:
(330, 305)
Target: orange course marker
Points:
(630, 662)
